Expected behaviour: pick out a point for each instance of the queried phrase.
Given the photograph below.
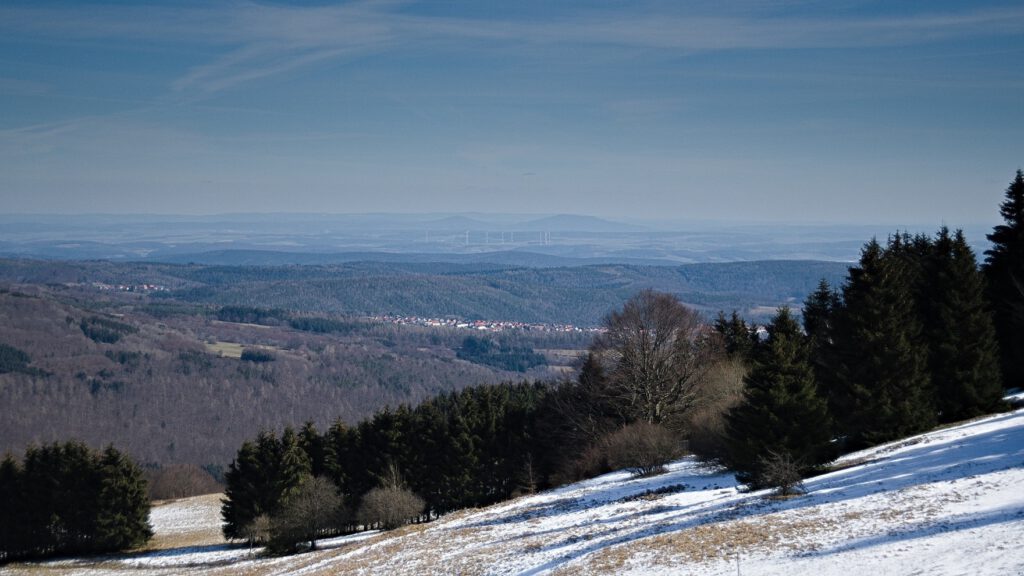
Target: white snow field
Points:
(947, 502)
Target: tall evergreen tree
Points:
(12, 511)
(819, 319)
(313, 444)
(242, 492)
(339, 446)
(819, 314)
(67, 499)
(781, 412)
(963, 356)
(883, 389)
(738, 338)
(123, 518)
(294, 466)
(1004, 269)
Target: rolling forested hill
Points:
(576, 295)
(181, 363)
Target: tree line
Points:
(457, 450)
(69, 499)
(909, 341)
(918, 335)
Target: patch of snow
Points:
(944, 503)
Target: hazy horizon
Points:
(758, 111)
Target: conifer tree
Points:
(241, 504)
(739, 339)
(963, 357)
(1004, 269)
(781, 412)
(313, 444)
(883, 389)
(67, 499)
(12, 512)
(819, 319)
(293, 467)
(123, 518)
(819, 314)
(339, 445)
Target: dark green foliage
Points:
(499, 354)
(819, 315)
(909, 344)
(323, 325)
(963, 356)
(15, 360)
(1004, 269)
(245, 492)
(257, 355)
(739, 339)
(68, 499)
(819, 319)
(781, 412)
(883, 388)
(105, 330)
(123, 519)
(468, 448)
(252, 315)
(13, 537)
(123, 357)
(259, 479)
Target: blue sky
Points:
(839, 111)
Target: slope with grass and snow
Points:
(946, 502)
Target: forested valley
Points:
(352, 422)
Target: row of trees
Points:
(906, 343)
(460, 449)
(913, 339)
(69, 499)
(642, 379)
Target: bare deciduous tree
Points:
(654, 353)
(308, 514)
(389, 507)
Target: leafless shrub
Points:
(705, 423)
(389, 507)
(181, 481)
(781, 471)
(306, 516)
(642, 448)
(257, 531)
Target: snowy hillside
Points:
(947, 502)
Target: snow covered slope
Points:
(947, 502)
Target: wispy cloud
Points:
(256, 41)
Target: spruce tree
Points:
(293, 467)
(339, 446)
(819, 319)
(1004, 269)
(883, 390)
(123, 516)
(963, 356)
(241, 503)
(12, 511)
(314, 445)
(781, 412)
(738, 338)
